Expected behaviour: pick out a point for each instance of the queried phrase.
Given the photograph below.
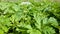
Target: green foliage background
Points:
(42, 17)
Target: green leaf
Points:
(33, 31)
(48, 30)
(45, 21)
(5, 28)
(16, 7)
(38, 20)
(53, 21)
(1, 31)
